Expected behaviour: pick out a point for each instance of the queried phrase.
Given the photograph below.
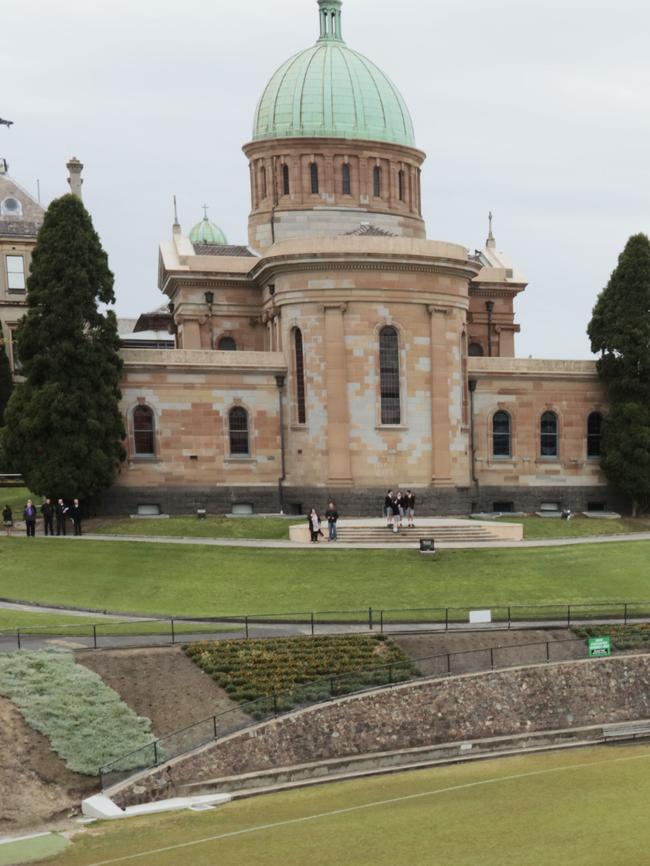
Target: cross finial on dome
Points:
(329, 13)
(205, 211)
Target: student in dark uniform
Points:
(61, 514)
(30, 518)
(331, 515)
(7, 518)
(75, 514)
(47, 510)
(395, 507)
(410, 507)
(388, 508)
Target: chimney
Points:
(75, 180)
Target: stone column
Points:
(336, 385)
(441, 360)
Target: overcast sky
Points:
(537, 109)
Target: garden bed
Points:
(623, 637)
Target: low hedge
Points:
(86, 722)
(299, 670)
(623, 637)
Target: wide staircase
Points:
(459, 532)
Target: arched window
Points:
(594, 433)
(376, 182)
(346, 186)
(313, 174)
(300, 376)
(389, 376)
(263, 182)
(285, 179)
(238, 430)
(143, 430)
(501, 435)
(400, 185)
(226, 344)
(475, 350)
(548, 435)
(11, 207)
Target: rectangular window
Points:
(13, 345)
(15, 273)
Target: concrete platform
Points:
(370, 530)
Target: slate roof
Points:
(222, 250)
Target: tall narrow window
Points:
(594, 433)
(263, 182)
(285, 179)
(143, 430)
(475, 350)
(400, 185)
(548, 435)
(346, 186)
(15, 273)
(13, 351)
(300, 376)
(313, 174)
(238, 429)
(376, 181)
(501, 435)
(226, 344)
(389, 376)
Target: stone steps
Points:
(381, 534)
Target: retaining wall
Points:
(515, 701)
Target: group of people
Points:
(314, 522)
(51, 511)
(397, 506)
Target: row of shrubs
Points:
(623, 637)
(285, 672)
(86, 722)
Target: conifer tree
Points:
(620, 332)
(6, 382)
(63, 428)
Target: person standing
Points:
(75, 513)
(400, 506)
(30, 518)
(410, 508)
(331, 515)
(61, 514)
(7, 518)
(47, 510)
(388, 508)
(395, 506)
(314, 525)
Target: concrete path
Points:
(283, 544)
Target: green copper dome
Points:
(206, 232)
(333, 92)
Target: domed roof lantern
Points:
(331, 91)
(207, 232)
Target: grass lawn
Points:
(192, 527)
(550, 527)
(207, 581)
(28, 850)
(15, 498)
(565, 807)
(75, 626)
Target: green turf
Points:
(579, 526)
(74, 626)
(192, 527)
(16, 497)
(29, 850)
(202, 580)
(583, 807)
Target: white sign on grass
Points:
(476, 616)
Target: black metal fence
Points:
(166, 631)
(271, 706)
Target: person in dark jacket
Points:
(61, 514)
(30, 518)
(395, 507)
(313, 520)
(7, 518)
(75, 514)
(331, 515)
(388, 508)
(47, 510)
(409, 506)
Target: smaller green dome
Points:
(206, 232)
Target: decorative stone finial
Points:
(329, 13)
(490, 238)
(75, 180)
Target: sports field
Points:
(581, 807)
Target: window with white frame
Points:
(16, 273)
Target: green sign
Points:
(599, 646)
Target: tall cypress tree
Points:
(619, 331)
(63, 426)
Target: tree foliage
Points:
(620, 332)
(6, 382)
(63, 425)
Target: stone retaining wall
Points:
(515, 701)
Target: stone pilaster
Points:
(336, 383)
(440, 396)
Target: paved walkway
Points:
(284, 544)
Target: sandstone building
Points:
(341, 352)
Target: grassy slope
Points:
(192, 527)
(548, 527)
(201, 580)
(578, 810)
